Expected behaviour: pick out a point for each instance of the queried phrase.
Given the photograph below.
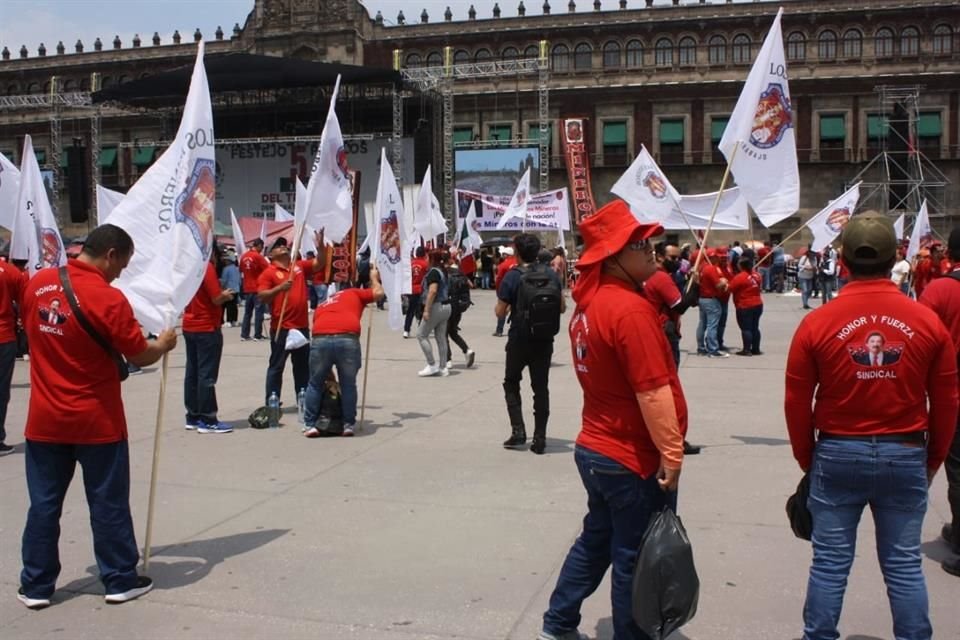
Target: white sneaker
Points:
(471, 357)
(445, 371)
(348, 430)
(449, 363)
(429, 370)
(406, 334)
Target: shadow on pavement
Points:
(604, 631)
(369, 428)
(759, 440)
(936, 549)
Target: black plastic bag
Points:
(666, 588)
(800, 519)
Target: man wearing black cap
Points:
(943, 296)
(868, 437)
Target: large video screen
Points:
(494, 171)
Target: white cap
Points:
(507, 251)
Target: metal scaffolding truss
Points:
(442, 80)
(47, 100)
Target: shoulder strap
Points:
(81, 318)
(955, 275)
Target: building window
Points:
(510, 53)
(827, 46)
(929, 131)
(611, 55)
(833, 136)
(687, 50)
(500, 132)
(883, 43)
(718, 124)
(943, 40)
(796, 47)
(583, 57)
(741, 49)
(614, 142)
(533, 133)
(413, 60)
(717, 50)
(634, 54)
(461, 57)
(41, 155)
(108, 166)
(852, 44)
(909, 41)
(483, 55)
(560, 58)
(878, 129)
(664, 53)
(434, 59)
(462, 134)
(531, 52)
(671, 141)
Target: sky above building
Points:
(31, 22)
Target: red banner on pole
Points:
(578, 168)
(342, 258)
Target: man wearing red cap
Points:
(630, 448)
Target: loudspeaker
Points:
(77, 184)
(899, 144)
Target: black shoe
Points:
(5, 449)
(32, 603)
(517, 438)
(142, 586)
(947, 534)
(756, 353)
(538, 445)
(690, 449)
(952, 566)
(743, 352)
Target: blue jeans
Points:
(846, 477)
(204, 351)
(619, 506)
(722, 323)
(278, 361)
(710, 312)
(8, 359)
(318, 294)
(749, 321)
(342, 350)
(501, 322)
(767, 280)
(106, 480)
(486, 280)
(806, 289)
(828, 284)
(251, 304)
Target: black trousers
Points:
(8, 359)
(453, 332)
(952, 468)
(278, 360)
(534, 356)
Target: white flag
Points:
(468, 236)
(239, 244)
(518, 203)
(9, 190)
(307, 243)
(898, 226)
(387, 249)
(107, 201)
(831, 220)
(36, 237)
(732, 212)
(646, 189)
(761, 127)
(427, 213)
(169, 212)
(263, 229)
(280, 214)
(329, 195)
(922, 235)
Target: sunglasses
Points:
(639, 245)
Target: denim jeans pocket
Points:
(618, 485)
(905, 479)
(836, 481)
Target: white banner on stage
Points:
(546, 211)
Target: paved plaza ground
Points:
(423, 527)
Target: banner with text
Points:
(578, 167)
(545, 211)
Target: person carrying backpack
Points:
(531, 294)
(458, 292)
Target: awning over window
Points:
(671, 132)
(108, 156)
(832, 128)
(717, 127)
(143, 156)
(41, 156)
(535, 131)
(503, 132)
(64, 159)
(614, 134)
(877, 127)
(929, 125)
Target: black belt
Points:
(918, 437)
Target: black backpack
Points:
(458, 291)
(539, 300)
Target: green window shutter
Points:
(832, 128)
(877, 127)
(929, 125)
(671, 132)
(534, 131)
(717, 127)
(64, 159)
(501, 132)
(614, 134)
(143, 156)
(108, 156)
(463, 134)
(41, 156)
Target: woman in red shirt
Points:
(746, 287)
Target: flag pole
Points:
(366, 368)
(716, 205)
(286, 294)
(156, 460)
(780, 244)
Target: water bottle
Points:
(273, 406)
(301, 404)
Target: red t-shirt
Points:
(725, 272)
(873, 356)
(943, 296)
(252, 264)
(418, 269)
(661, 291)
(12, 281)
(619, 350)
(468, 265)
(201, 314)
(746, 288)
(341, 312)
(505, 265)
(922, 275)
(74, 383)
(709, 278)
(295, 314)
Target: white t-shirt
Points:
(900, 272)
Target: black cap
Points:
(869, 239)
(279, 242)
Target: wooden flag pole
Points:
(366, 368)
(716, 205)
(156, 460)
(286, 294)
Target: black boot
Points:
(690, 449)
(518, 437)
(538, 445)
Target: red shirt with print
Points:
(867, 363)
(709, 279)
(341, 312)
(619, 350)
(418, 269)
(295, 313)
(74, 383)
(505, 265)
(943, 296)
(252, 264)
(468, 265)
(746, 288)
(12, 281)
(661, 291)
(726, 273)
(201, 314)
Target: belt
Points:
(337, 335)
(918, 437)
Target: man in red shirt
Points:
(76, 415)
(285, 280)
(630, 448)
(204, 342)
(862, 429)
(507, 263)
(252, 264)
(418, 269)
(746, 288)
(336, 342)
(943, 296)
(713, 284)
(12, 281)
